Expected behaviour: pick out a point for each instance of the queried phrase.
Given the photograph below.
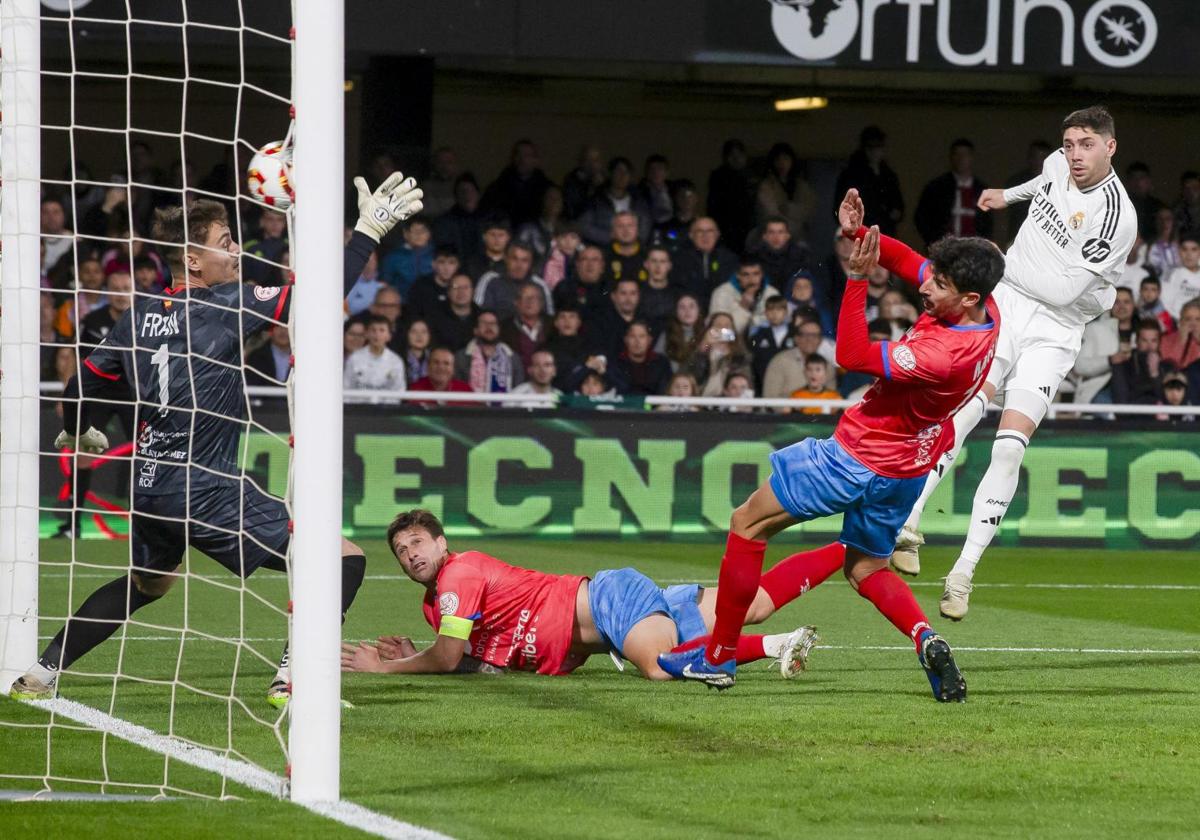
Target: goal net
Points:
(113, 112)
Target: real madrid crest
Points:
(1076, 220)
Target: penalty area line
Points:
(240, 772)
(960, 648)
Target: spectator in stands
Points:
(1182, 283)
(681, 385)
(147, 278)
(584, 292)
(412, 260)
(496, 239)
(731, 195)
(429, 293)
(624, 256)
(487, 364)
(389, 304)
(801, 294)
(593, 384)
(896, 309)
(366, 287)
(605, 329)
(685, 329)
(781, 255)
(354, 337)
(771, 338)
(88, 298)
(816, 383)
(638, 369)
(674, 231)
(417, 342)
(879, 282)
(567, 344)
(658, 295)
(1182, 347)
(57, 238)
(703, 265)
(375, 367)
(830, 273)
(441, 377)
(584, 183)
(745, 296)
(262, 256)
(1187, 209)
(1140, 187)
(1138, 380)
(539, 233)
(1150, 304)
(517, 191)
(1163, 251)
(1107, 342)
(738, 386)
(49, 337)
(497, 290)
(454, 324)
(438, 186)
(719, 353)
(784, 193)
(1175, 392)
(868, 172)
(616, 197)
(118, 297)
(785, 373)
(564, 247)
(1136, 267)
(1035, 158)
(528, 330)
(461, 227)
(655, 189)
(272, 361)
(541, 373)
(948, 202)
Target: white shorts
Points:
(1035, 350)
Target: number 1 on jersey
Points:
(162, 360)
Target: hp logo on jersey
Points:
(1096, 250)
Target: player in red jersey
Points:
(873, 468)
(489, 613)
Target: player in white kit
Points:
(1059, 275)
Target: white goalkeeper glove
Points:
(93, 441)
(397, 198)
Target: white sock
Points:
(964, 422)
(773, 644)
(992, 498)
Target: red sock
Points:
(892, 597)
(737, 584)
(792, 576)
(749, 648)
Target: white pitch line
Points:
(1170, 587)
(241, 772)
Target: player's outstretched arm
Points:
(855, 350)
(442, 657)
(992, 200)
(89, 382)
(396, 199)
(1013, 195)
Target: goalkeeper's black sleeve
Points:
(358, 251)
(76, 411)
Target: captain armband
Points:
(455, 627)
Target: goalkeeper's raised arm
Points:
(396, 199)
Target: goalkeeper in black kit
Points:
(178, 357)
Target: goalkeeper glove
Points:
(397, 199)
(93, 441)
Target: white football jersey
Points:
(364, 370)
(1071, 249)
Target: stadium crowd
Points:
(618, 282)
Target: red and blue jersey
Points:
(901, 427)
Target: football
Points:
(269, 175)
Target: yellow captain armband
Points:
(456, 627)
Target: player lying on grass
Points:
(874, 466)
(178, 356)
(504, 616)
(1058, 276)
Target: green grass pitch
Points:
(1094, 734)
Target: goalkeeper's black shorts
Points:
(240, 527)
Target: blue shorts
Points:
(620, 598)
(817, 477)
